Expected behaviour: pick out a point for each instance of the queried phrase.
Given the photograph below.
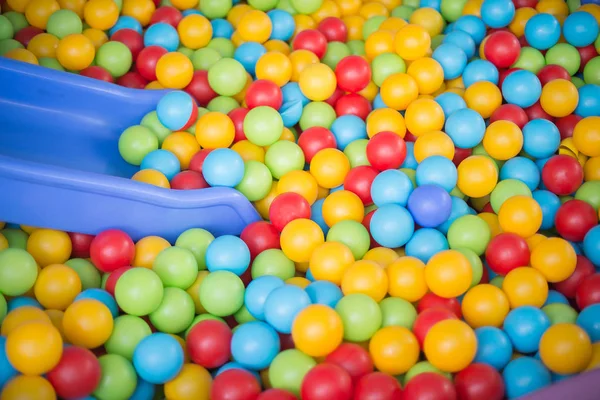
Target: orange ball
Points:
(330, 261)
(394, 349)
(428, 74)
(412, 42)
(398, 91)
(300, 59)
(275, 67)
(57, 286)
(88, 323)
(152, 177)
(424, 116)
(301, 182)
(317, 82)
(503, 140)
(146, 250)
(255, 26)
(406, 277)
(379, 42)
(521, 215)
(525, 286)
(342, 205)
(300, 238)
(174, 70)
(195, 31)
(24, 387)
(141, 10)
(23, 55)
(34, 348)
(43, 45)
(329, 167)
(184, 145)
(215, 130)
(385, 119)
(317, 330)
(49, 246)
(101, 14)
(37, 12)
(435, 143)
(448, 273)
(477, 176)
(555, 258)
(20, 316)
(485, 305)
(483, 97)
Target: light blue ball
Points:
(378, 102)
(158, 358)
(283, 23)
(480, 70)
(425, 243)
(392, 225)
(522, 88)
(591, 245)
(493, 347)
(497, 13)
(174, 110)
(126, 22)
(254, 345)
(435, 4)
(391, 187)
(163, 161)
(522, 169)
(450, 102)
(589, 101)
(466, 128)
(7, 371)
(236, 365)
(410, 161)
(191, 11)
(282, 306)
(549, 203)
(223, 167)
(316, 214)
(459, 208)
(309, 276)
(102, 296)
(324, 292)
(473, 25)
(248, 54)
(580, 29)
(555, 297)
(463, 40)
(542, 31)
(541, 138)
(437, 170)
(221, 28)
(347, 129)
(163, 35)
(525, 375)
(228, 253)
(257, 292)
(143, 391)
(589, 320)
(452, 59)
(22, 301)
(525, 326)
(291, 113)
(291, 93)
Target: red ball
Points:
(353, 74)
(326, 382)
(315, 139)
(147, 59)
(76, 375)
(488, 208)
(430, 386)
(198, 160)
(130, 38)
(208, 343)
(525, 3)
(386, 150)
(506, 252)
(512, 113)
(378, 386)
(26, 34)
(80, 243)
(132, 80)
(200, 89)
(502, 49)
(359, 181)
(287, 207)
(113, 278)
(588, 291)
(237, 116)
(311, 40)
(485, 276)
(334, 29)
(427, 319)
(97, 72)
(574, 219)
(583, 269)
(260, 236)
(235, 384)
(586, 54)
(276, 394)
(537, 112)
(479, 382)
(264, 93)
(112, 249)
(551, 72)
(286, 341)
(367, 224)
(333, 99)
(503, 73)
(460, 155)
(432, 300)
(188, 180)
(562, 175)
(566, 125)
(353, 104)
(409, 137)
(353, 358)
(168, 15)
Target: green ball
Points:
(18, 20)
(578, 82)
(356, 152)
(257, 181)
(88, 274)
(118, 379)
(476, 265)
(175, 313)
(227, 77)
(530, 59)
(222, 104)
(457, 193)
(317, 113)
(196, 240)
(436, 41)
(361, 316)
(222, 293)
(186, 52)
(336, 51)
(104, 279)
(560, 313)
(412, 175)
(357, 47)
(215, 8)
(306, 6)
(139, 291)
(591, 72)
(479, 150)
(3, 308)
(469, 232)
(7, 45)
(590, 193)
(263, 126)
(506, 189)
(497, 281)
(372, 25)
(405, 10)
(273, 262)
(352, 234)
(136, 142)
(176, 267)
(386, 64)
(397, 312)
(288, 370)
(225, 47)
(243, 316)
(200, 318)
(422, 367)
(284, 156)
(16, 238)
(263, 5)
(63, 23)
(18, 271)
(204, 58)
(452, 9)
(51, 63)
(115, 57)
(566, 56)
(166, 3)
(152, 122)
(128, 331)
(6, 28)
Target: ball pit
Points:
(427, 173)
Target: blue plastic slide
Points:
(60, 165)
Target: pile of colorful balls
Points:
(428, 173)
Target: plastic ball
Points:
(448, 274)
(586, 137)
(289, 369)
(353, 358)
(326, 381)
(192, 381)
(282, 306)
(559, 98)
(430, 144)
(317, 330)
(485, 305)
(18, 272)
(392, 225)
(377, 385)
(235, 383)
(361, 316)
(274, 66)
(525, 286)
(158, 358)
(56, 286)
(580, 29)
(208, 343)
(525, 327)
(429, 384)
(506, 252)
(479, 380)
(494, 347)
(521, 215)
(515, 372)
(562, 175)
(450, 345)
(430, 205)
(34, 348)
(483, 97)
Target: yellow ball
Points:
(301, 182)
(192, 383)
(349, 7)
(428, 74)
(152, 177)
(379, 42)
(275, 67)
(435, 143)
(255, 26)
(34, 348)
(450, 345)
(20, 316)
(595, 359)
(522, 15)
(429, 19)
(521, 215)
(586, 136)
(74, 5)
(370, 92)
(559, 98)
(565, 349)
(174, 70)
(591, 169)
(491, 220)
(56, 318)
(263, 205)
(330, 261)
(477, 176)
(56, 286)
(97, 37)
(412, 42)
(87, 323)
(25, 387)
(354, 25)
(299, 281)
(101, 14)
(37, 12)
(525, 286)
(236, 13)
(278, 46)
(393, 24)
(406, 277)
(329, 167)
(300, 59)
(448, 274)
(342, 205)
(317, 330)
(373, 9)
(533, 241)
(385, 119)
(317, 82)
(23, 55)
(249, 151)
(485, 305)
(3, 242)
(398, 91)
(424, 116)
(18, 5)
(303, 22)
(194, 292)
(553, 7)
(184, 145)
(382, 256)
(300, 238)
(483, 97)
(215, 130)
(366, 277)
(328, 9)
(472, 7)
(141, 10)
(49, 246)
(75, 52)
(184, 4)
(146, 250)
(503, 140)
(43, 45)
(394, 349)
(195, 31)
(555, 258)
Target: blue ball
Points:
(22, 301)
(282, 306)
(378, 102)
(589, 101)
(347, 129)
(430, 206)
(522, 169)
(191, 11)
(435, 4)
(248, 54)
(466, 128)
(221, 28)
(576, 247)
(591, 245)
(473, 25)
(493, 347)
(143, 391)
(324, 292)
(254, 345)
(497, 13)
(316, 214)
(480, 70)
(158, 358)
(452, 59)
(425, 243)
(580, 29)
(223, 167)
(449, 28)
(283, 23)
(450, 102)
(525, 326)
(102, 296)
(392, 226)
(410, 161)
(7, 371)
(391, 187)
(309, 275)
(257, 292)
(541, 138)
(163, 35)
(542, 31)
(236, 365)
(549, 203)
(459, 208)
(291, 113)
(291, 93)
(589, 321)
(525, 375)
(163, 161)
(463, 40)
(228, 253)
(174, 110)
(437, 170)
(126, 22)
(522, 88)
(555, 297)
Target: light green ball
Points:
(476, 265)
(372, 25)
(18, 271)
(469, 232)
(361, 316)
(227, 77)
(7, 45)
(306, 6)
(530, 59)
(422, 367)
(506, 189)
(559, 313)
(136, 142)
(357, 47)
(196, 240)
(336, 51)
(352, 234)
(591, 72)
(263, 126)
(3, 308)
(128, 331)
(224, 46)
(118, 379)
(88, 274)
(6, 28)
(590, 193)
(222, 293)
(186, 52)
(397, 312)
(222, 104)
(63, 23)
(405, 10)
(215, 8)
(243, 316)
(152, 122)
(18, 20)
(288, 370)
(497, 281)
(51, 63)
(176, 267)
(204, 58)
(16, 238)
(115, 57)
(356, 152)
(257, 181)
(263, 5)
(387, 64)
(273, 262)
(317, 113)
(451, 10)
(566, 56)
(175, 313)
(139, 291)
(284, 156)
